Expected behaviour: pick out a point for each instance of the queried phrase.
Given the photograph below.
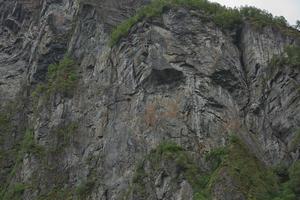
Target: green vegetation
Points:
(8, 152)
(262, 18)
(61, 78)
(290, 186)
(5, 125)
(27, 146)
(5, 128)
(290, 57)
(255, 180)
(251, 177)
(226, 18)
(57, 194)
(84, 189)
(63, 135)
(295, 142)
(297, 26)
(171, 152)
(216, 157)
(7, 112)
(15, 192)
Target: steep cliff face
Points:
(100, 130)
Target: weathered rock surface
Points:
(177, 77)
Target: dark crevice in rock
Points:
(165, 77)
(226, 79)
(244, 75)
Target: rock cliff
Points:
(83, 120)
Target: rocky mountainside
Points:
(179, 108)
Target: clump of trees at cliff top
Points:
(226, 18)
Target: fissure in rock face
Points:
(179, 107)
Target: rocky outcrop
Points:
(177, 77)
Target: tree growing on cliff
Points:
(297, 26)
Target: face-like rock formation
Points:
(177, 78)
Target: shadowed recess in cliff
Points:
(163, 79)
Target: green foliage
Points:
(216, 157)
(281, 170)
(168, 151)
(29, 145)
(40, 89)
(293, 56)
(155, 8)
(251, 176)
(262, 18)
(57, 194)
(226, 18)
(5, 125)
(26, 146)
(297, 25)
(5, 128)
(65, 133)
(294, 175)
(254, 180)
(7, 112)
(168, 147)
(85, 188)
(295, 142)
(63, 136)
(290, 188)
(61, 78)
(15, 192)
(290, 57)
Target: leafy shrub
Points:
(65, 133)
(15, 192)
(290, 56)
(63, 137)
(61, 78)
(293, 55)
(85, 188)
(216, 157)
(171, 152)
(253, 178)
(261, 17)
(7, 113)
(226, 18)
(57, 194)
(26, 146)
(294, 175)
(295, 142)
(168, 147)
(29, 145)
(290, 189)
(4, 123)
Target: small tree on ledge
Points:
(297, 26)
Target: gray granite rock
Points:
(176, 77)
